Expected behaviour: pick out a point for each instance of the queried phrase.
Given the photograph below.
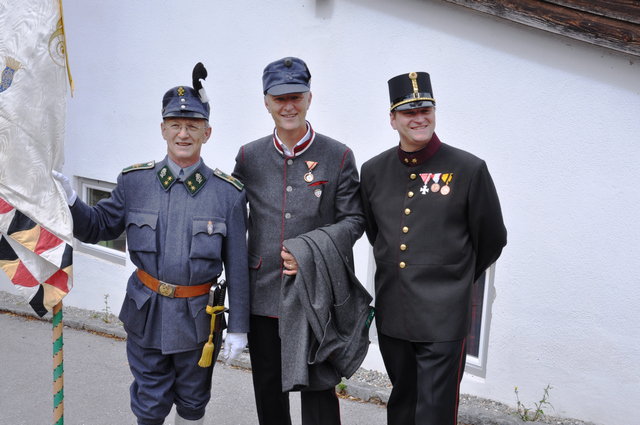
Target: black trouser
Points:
(318, 407)
(426, 380)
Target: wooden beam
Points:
(618, 34)
(622, 10)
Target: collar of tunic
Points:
(175, 168)
(300, 147)
(413, 159)
(193, 183)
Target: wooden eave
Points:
(614, 24)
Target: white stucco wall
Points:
(555, 119)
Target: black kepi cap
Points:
(411, 91)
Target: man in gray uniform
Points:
(435, 223)
(184, 221)
(296, 180)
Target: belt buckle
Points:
(166, 289)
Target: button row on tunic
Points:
(405, 229)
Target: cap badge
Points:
(414, 82)
(180, 91)
(210, 228)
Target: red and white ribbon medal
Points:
(309, 176)
(425, 178)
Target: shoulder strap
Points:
(142, 166)
(235, 182)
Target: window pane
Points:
(93, 197)
(473, 340)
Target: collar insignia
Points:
(195, 182)
(166, 177)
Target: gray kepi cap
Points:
(187, 102)
(284, 76)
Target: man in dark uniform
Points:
(184, 221)
(296, 180)
(434, 220)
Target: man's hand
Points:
(290, 264)
(66, 185)
(233, 346)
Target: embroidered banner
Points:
(35, 224)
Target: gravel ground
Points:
(469, 402)
(473, 410)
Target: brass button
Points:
(413, 176)
(402, 265)
(403, 247)
(407, 211)
(405, 229)
(410, 194)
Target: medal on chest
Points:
(440, 183)
(425, 178)
(446, 179)
(309, 176)
(435, 187)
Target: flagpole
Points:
(58, 370)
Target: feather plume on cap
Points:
(200, 73)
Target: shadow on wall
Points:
(324, 8)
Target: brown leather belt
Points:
(172, 291)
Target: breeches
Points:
(162, 380)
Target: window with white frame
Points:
(91, 192)
(478, 338)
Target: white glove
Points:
(233, 346)
(66, 185)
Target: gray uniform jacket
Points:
(328, 310)
(170, 238)
(429, 245)
(282, 205)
